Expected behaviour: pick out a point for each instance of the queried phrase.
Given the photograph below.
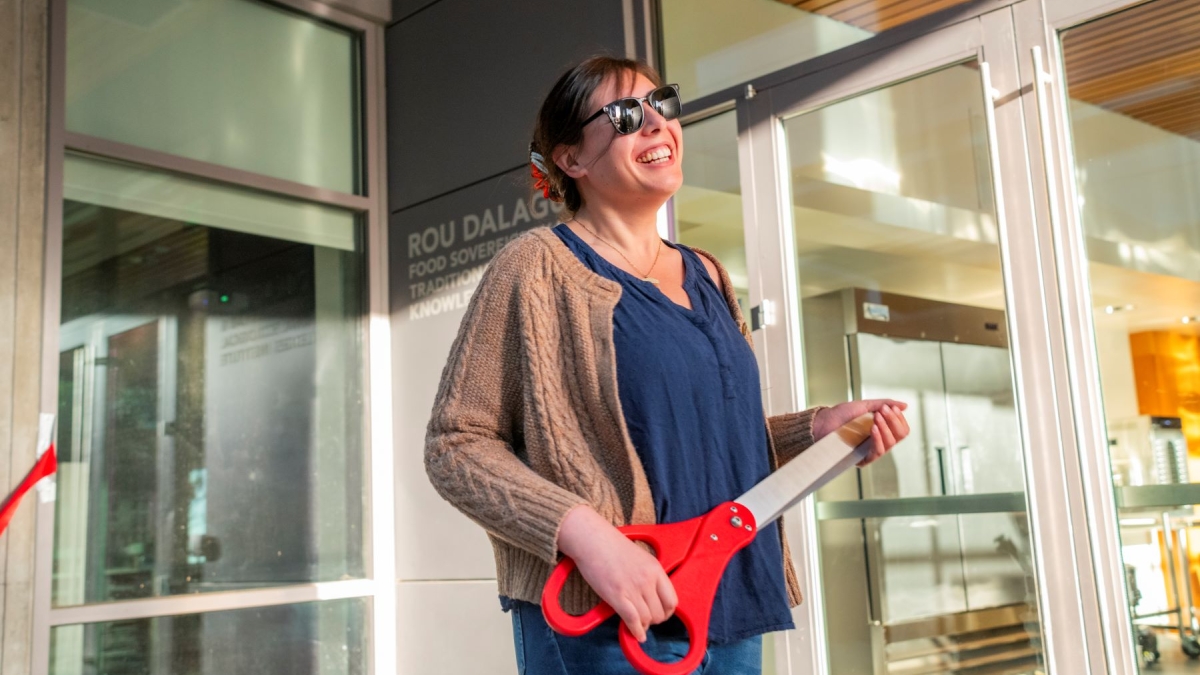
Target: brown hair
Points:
(565, 108)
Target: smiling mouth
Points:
(660, 155)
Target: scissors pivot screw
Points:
(713, 537)
(735, 521)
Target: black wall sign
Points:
(439, 249)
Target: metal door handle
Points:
(1040, 78)
(941, 460)
(966, 471)
(990, 94)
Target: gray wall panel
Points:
(464, 81)
(402, 9)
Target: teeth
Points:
(658, 156)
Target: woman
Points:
(603, 377)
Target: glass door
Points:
(1120, 129)
(900, 268)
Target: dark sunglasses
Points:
(627, 114)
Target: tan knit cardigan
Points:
(527, 422)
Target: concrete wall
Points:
(464, 81)
(23, 33)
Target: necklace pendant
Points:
(651, 280)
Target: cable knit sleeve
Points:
(472, 439)
(792, 433)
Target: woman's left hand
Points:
(889, 429)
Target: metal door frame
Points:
(1056, 193)
(1073, 595)
(367, 20)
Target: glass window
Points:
(708, 207)
(325, 638)
(239, 83)
(1133, 81)
(925, 558)
(709, 45)
(211, 388)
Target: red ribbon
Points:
(45, 466)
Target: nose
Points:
(654, 122)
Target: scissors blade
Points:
(813, 468)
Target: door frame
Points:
(1049, 138)
(1080, 595)
(377, 587)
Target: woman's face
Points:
(640, 169)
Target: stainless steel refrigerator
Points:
(927, 548)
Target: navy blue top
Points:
(689, 389)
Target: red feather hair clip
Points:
(540, 181)
(537, 168)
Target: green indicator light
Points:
(224, 298)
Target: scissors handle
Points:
(670, 543)
(694, 553)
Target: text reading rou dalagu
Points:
(452, 255)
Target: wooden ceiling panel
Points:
(907, 11)
(1143, 62)
(874, 15)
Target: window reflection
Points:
(709, 45)
(1132, 86)
(708, 207)
(210, 400)
(230, 82)
(926, 559)
(327, 638)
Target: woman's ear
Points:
(567, 161)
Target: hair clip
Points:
(538, 171)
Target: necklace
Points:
(646, 276)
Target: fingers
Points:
(874, 452)
(877, 405)
(654, 604)
(889, 428)
(631, 614)
(650, 602)
(883, 424)
(897, 422)
(666, 595)
(660, 602)
(643, 610)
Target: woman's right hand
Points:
(623, 574)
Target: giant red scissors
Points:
(695, 552)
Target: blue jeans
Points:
(541, 651)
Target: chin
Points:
(672, 186)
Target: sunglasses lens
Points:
(627, 117)
(666, 101)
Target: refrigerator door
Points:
(919, 559)
(983, 419)
(910, 371)
(986, 459)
